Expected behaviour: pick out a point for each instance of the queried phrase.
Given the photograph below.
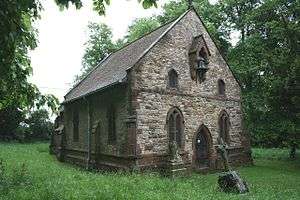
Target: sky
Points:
(62, 35)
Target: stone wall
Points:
(199, 102)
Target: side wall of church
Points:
(103, 153)
(199, 103)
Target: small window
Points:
(173, 78)
(111, 115)
(221, 87)
(75, 125)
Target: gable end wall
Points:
(199, 102)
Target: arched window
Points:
(224, 125)
(221, 87)
(173, 78)
(111, 117)
(175, 127)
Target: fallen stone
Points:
(232, 182)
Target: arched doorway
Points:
(202, 148)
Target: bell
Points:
(201, 64)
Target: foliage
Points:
(268, 179)
(100, 5)
(266, 61)
(39, 126)
(17, 36)
(35, 125)
(141, 27)
(10, 118)
(98, 46)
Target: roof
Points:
(112, 69)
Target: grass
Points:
(272, 177)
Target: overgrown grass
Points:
(272, 177)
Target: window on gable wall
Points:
(75, 125)
(173, 78)
(111, 115)
(221, 87)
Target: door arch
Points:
(202, 148)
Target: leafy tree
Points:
(40, 126)
(17, 36)
(98, 46)
(236, 14)
(266, 60)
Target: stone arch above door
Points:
(203, 151)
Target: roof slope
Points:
(113, 68)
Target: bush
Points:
(39, 125)
(10, 118)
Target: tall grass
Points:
(50, 179)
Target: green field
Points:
(272, 177)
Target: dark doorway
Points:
(202, 149)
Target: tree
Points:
(100, 5)
(17, 36)
(98, 46)
(141, 27)
(266, 60)
(40, 126)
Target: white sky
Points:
(62, 35)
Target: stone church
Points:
(162, 102)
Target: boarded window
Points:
(75, 125)
(111, 115)
(221, 87)
(173, 78)
(224, 127)
(175, 126)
